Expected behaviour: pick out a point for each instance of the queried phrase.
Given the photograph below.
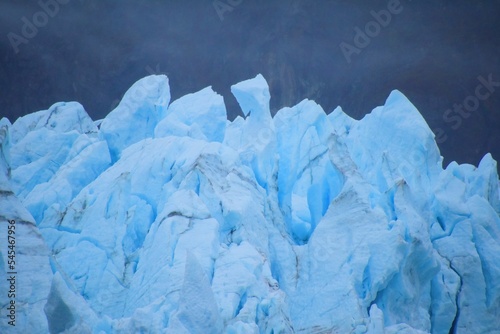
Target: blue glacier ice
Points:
(165, 217)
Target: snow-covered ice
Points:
(164, 217)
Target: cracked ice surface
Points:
(167, 218)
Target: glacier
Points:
(165, 217)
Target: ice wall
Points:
(170, 219)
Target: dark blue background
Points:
(433, 51)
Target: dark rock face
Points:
(92, 51)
